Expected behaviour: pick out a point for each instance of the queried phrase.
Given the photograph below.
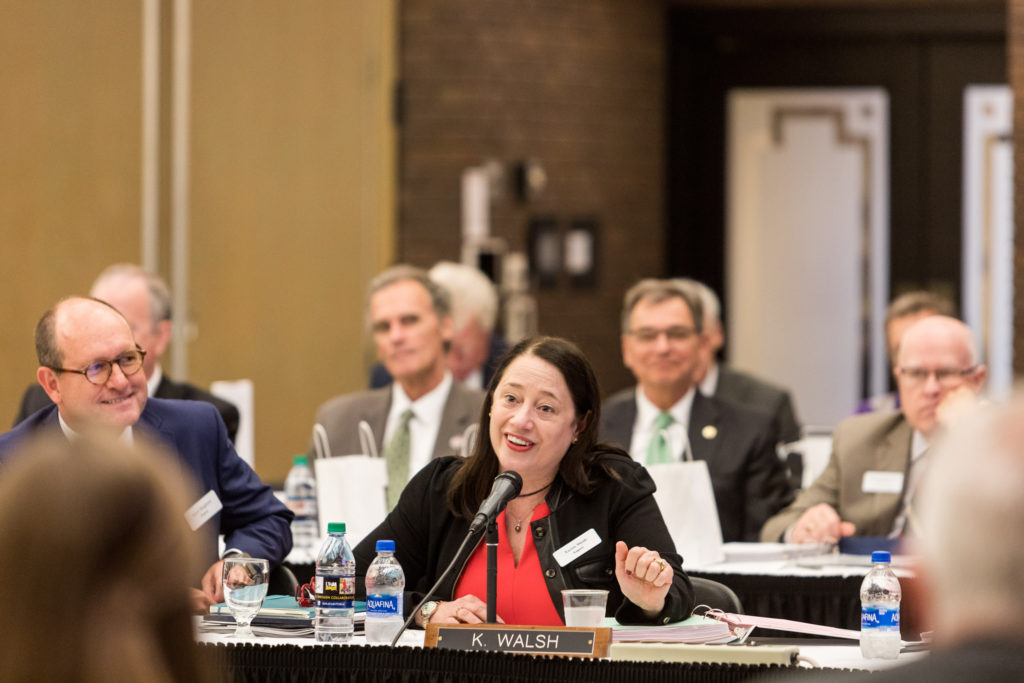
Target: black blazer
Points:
(748, 478)
(35, 399)
(427, 535)
(749, 391)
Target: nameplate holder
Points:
(564, 641)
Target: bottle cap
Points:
(300, 460)
(386, 546)
(336, 527)
(881, 556)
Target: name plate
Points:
(567, 641)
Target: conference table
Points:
(817, 589)
(287, 659)
(821, 589)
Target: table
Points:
(830, 596)
(295, 659)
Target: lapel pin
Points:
(709, 432)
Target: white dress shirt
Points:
(710, 383)
(643, 428)
(425, 422)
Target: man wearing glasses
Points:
(870, 483)
(89, 366)
(665, 415)
(144, 300)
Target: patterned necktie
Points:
(906, 523)
(658, 450)
(396, 454)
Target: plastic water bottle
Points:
(385, 583)
(880, 610)
(335, 588)
(300, 492)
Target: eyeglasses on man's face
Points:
(946, 377)
(98, 372)
(649, 335)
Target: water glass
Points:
(245, 586)
(584, 607)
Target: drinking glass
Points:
(584, 607)
(245, 586)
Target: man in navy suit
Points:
(89, 366)
(144, 300)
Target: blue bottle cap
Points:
(336, 527)
(386, 546)
(881, 556)
(300, 460)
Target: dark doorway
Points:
(923, 57)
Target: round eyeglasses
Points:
(98, 372)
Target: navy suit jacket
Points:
(35, 398)
(748, 478)
(252, 519)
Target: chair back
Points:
(716, 595)
(282, 581)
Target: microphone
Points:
(507, 486)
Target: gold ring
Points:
(662, 563)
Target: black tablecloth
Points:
(824, 600)
(354, 664)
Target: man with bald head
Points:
(869, 484)
(145, 302)
(90, 366)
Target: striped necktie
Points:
(659, 450)
(396, 455)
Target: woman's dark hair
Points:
(472, 482)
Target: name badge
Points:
(576, 547)
(876, 481)
(203, 509)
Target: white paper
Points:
(687, 504)
(203, 509)
(576, 547)
(351, 489)
(876, 481)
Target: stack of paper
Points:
(696, 629)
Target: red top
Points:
(523, 596)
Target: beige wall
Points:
(69, 161)
(291, 186)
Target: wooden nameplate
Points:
(564, 641)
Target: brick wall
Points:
(1016, 72)
(576, 84)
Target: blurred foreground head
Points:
(973, 516)
(95, 556)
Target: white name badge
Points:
(203, 509)
(576, 547)
(876, 481)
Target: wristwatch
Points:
(428, 609)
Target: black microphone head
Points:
(513, 478)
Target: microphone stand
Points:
(492, 572)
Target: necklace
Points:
(519, 523)
(533, 493)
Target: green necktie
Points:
(658, 450)
(396, 454)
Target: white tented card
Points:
(877, 481)
(203, 509)
(576, 547)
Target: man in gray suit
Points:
(878, 459)
(664, 415)
(735, 386)
(424, 413)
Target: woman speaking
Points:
(585, 518)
